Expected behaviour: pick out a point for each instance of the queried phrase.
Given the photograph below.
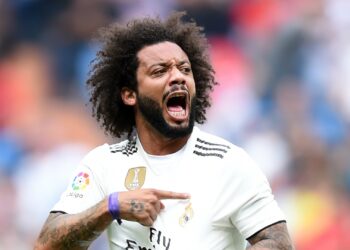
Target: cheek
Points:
(151, 89)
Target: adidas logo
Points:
(205, 148)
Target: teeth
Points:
(178, 95)
(178, 114)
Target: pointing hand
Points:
(144, 205)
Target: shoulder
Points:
(106, 151)
(207, 144)
(222, 154)
(126, 148)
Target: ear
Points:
(128, 96)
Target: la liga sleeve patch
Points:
(81, 181)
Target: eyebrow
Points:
(166, 64)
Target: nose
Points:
(176, 77)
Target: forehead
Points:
(161, 53)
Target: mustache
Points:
(172, 89)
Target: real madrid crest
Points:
(135, 178)
(186, 216)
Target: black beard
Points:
(153, 114)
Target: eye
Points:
(186, 69)
(159, 72)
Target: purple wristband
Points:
(113, 206)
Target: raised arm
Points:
(77, 231)
(274, 237)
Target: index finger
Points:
(162, 194)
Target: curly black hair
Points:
(116, 63)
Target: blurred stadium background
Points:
(284, 95)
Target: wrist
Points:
(113, 207)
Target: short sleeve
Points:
(258, 213)
(259, 208)
(84, 191)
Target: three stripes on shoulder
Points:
(205, 148)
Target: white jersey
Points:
(230, 197)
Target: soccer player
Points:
(169, 185)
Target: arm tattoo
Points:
(136, 207)
(274, 237)
(74, 231)
(44, 237)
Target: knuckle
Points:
(153, 199)
(144, 223)
(143, 217)
(152, 191)
(149, 209)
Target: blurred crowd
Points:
(284, 95)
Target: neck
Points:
(155, 143)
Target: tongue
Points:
(176, 108)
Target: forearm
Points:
(74, 231)
(270, 244)
(274, 237)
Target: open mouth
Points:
(177, 103)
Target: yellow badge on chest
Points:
(186, 216)
(135, 178)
